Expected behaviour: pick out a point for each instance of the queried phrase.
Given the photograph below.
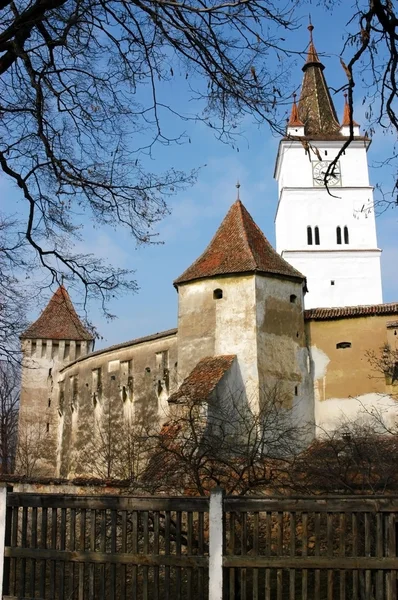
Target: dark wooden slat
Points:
(304, 553)
(134, 581)
(91, 568)
(329, 534)
(243, 550)
(201, 544)
(354, 521)
(72, 546)
(189, 550)
(14, 542)
(102, 547)
(317, 552)
(292, 572)
(392, 551)
(145, 549)
(24, 543)
(331, 504)
(342, 581)
(112, 567)
(61, 588)
(156, 532)
(54, 524)
(268, 531)
(123, 548)
(167, 553)
(231, 551)
(310, 562)
(43, 545)
(33, 544)
(379, 554)
(7, 542)
(108, 502)
(256, 527)
(367, 553)
(82, 548)
(279, 550)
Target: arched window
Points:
(309, 236)
(317, 241)
(217, 294)
(346, 237)
(342, 345)
(338, 235)
(293, 298)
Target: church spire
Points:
(294, 120)
(347, 114)
(315, 108)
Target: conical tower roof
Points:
(239, 246)
(58, 321)
(347, 114)
(294, 120)
(315, 108)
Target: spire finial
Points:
(238, 188)
(62, 279)
(310, 28)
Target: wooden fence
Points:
(113, 547)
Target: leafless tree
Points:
(223, 442)
(358, 456)
(9, 399)
(13, 302)
(81, 104)
(370, 56)
(118, 448)
(31, 448)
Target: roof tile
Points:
(58, 321)
(344, 312)
(316, 109)
(239, 246)
(202, 381)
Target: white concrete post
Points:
(216, 544)
(3, 512)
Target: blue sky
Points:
(198, 211)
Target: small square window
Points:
(332, 282)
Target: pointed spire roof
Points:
(347, 115)
(294, 120)
(316, 109)
(58, 321)
(239, 246)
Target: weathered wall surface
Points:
(38, 414)
(196, 324)
(235, 331)
(344, 379)
(104, 398)
(281, 344)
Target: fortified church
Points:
(304, 315)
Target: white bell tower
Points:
(329, 235)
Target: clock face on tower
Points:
(319, 170)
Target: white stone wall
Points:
(282, 351)
(356, 276)
(354, 267)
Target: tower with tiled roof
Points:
(241, 298)
(57, 337)
(326, 232)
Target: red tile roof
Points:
(239, 246)
(202, 381)
(58, 321)
(294, 120)
(344, 312)
(347, 115)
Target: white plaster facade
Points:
(338, 274)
